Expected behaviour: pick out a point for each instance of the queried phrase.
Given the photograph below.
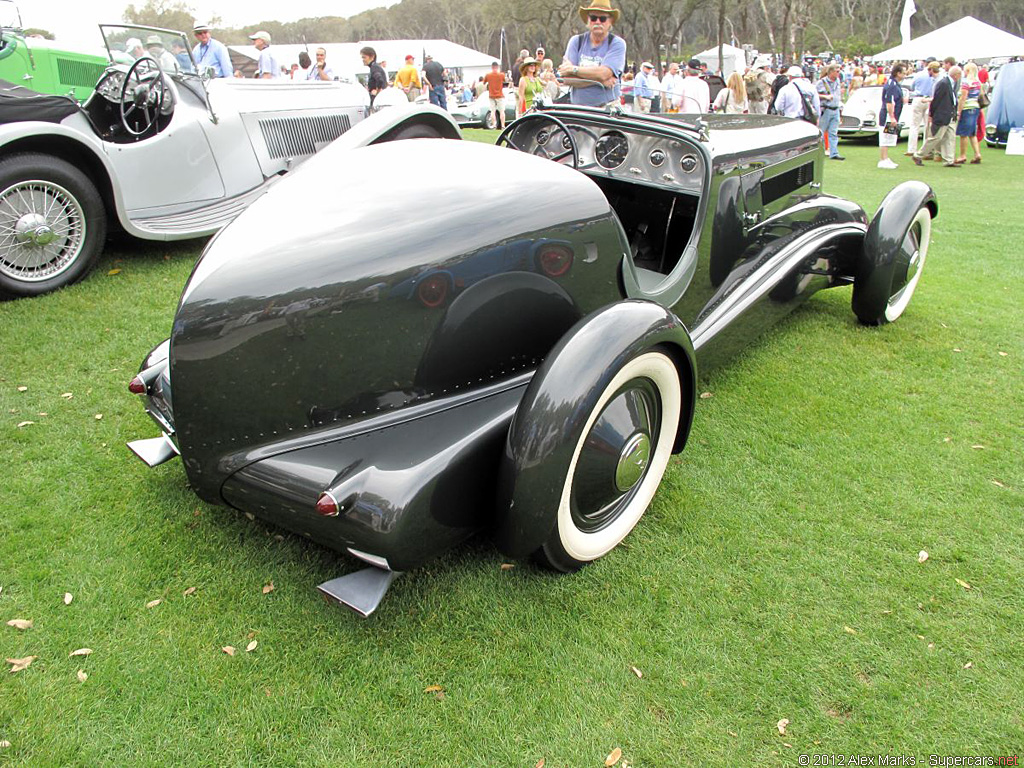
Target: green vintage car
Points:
(43, 65)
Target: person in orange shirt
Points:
(408, 79)
(495, 82)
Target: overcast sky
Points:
(74, 21)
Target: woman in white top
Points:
(732, 100)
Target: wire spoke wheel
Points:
(42, 230)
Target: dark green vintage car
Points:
(392, 367)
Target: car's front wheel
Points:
(52, 224)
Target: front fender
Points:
(553, 413)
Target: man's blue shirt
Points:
(213, 54)
(924, 84)
(610, 53)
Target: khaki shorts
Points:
(497, 103)
(887, 139)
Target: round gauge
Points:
(566, 142)
(657, 157)
(543, 136)
(611, 149)
(689, 163)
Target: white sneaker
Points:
(887, 164)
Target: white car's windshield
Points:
(126, 44)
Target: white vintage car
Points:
(859, 118)
(161, 152)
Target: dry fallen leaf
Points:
(251, 646)
(23, 389)
(20, 623)
(540, 763)
(154, 603)
(114, 271)
(963, 584)
(947, 439)
(80, 652)
(733, 734)
(82, 676)
(636, 672)
(278, 537)
(250, 516)
(229, 650)
(994, 482)
(189, 591)
(98, 416)
(1003, 354)
(922, 556)
(68, 597)
(507, 566)
(433, 689)
(4, 744)
(978, 447)
(268, 588)
(706, 395)
(25, 424)
(19, 664)
(43, 413)
(850, 630)
(968, 665)
(613, 757)
(67, 395)
(957, 349)
(931, 646)
(782, 725)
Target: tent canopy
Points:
(965, 39)
(733, 59)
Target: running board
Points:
(360, 591)
(199, 221)
(154, 450)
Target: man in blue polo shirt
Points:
(642, 89)
(921, 93)
(595, 59)
(210, 54)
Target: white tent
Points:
(965, 39)
(733, 59)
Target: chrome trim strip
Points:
(377, 560)
(760, 283)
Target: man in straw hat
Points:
(595, 59)
(210, 55)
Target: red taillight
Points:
(327, 505)
(433, 291)
(137, 386)
(555, 261)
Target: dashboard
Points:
(626, 154)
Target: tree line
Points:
(656, 30)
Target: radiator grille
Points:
(790, 181)
(303, 135)
(82, 74)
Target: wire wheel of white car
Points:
(52, 224)
(618, 462)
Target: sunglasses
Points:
(595, 17)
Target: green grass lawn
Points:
(775, 576)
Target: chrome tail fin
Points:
(360, 591)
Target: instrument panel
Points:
(625, 153)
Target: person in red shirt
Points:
(495, 82)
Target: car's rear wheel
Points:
(491, 120)
(52, 224)
(618, 463)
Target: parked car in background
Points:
(1006, 112)
(43, 65)
(859, 118)
(477, 113)
(512, 349)
(161, 155)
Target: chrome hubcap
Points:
(42, 230)
(633, 460)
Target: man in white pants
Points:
(924, 84)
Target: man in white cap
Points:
(594, 60)
(267, 67)
(798, 98)
(643, 89)
(210, 55)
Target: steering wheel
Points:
(567, 145)
(147, 94)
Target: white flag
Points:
(909, 9)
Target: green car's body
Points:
(45, 67)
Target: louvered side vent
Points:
(294, 136)
(81, 74)
(790, 181)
